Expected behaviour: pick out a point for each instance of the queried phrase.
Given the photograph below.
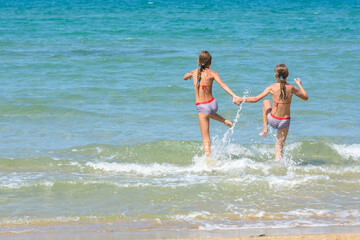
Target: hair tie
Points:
(281, 77)
(200, 66)
(198, 80)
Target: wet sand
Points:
(111, 236)
(343, 236)
(303, 233)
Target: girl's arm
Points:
(238, 100)
(187, 76)
(223, 85)
(302, 93)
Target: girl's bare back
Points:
(204, 92)
(281, 107)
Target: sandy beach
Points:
(108, 236)
(345, 236)
(304, 233)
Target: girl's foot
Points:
(228, 123)
(263, 134)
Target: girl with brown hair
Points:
(206, 105)
(278, 116)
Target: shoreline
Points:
(340, 236)
(303, 233)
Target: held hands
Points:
(298, 81)
(237, 100)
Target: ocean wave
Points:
(347, 151)
(175, 157)
(235, 168)
(240, 173)
(186, 152)
(70, 185)
(256, 214)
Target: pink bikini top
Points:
(204, 86)
(277, 103)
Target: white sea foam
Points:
(290, 175)
(154, 169)
(201, 166)
(74, 163)
(32, 220)
(193, 216)
(18, 185)
(248, 218)
(263, 150)
(347, 151)
(321, 213)
(117, 184)
(46, 183)
(214, 226)
(26, 179)
(292, 181)
(299, 214)
(325, 170)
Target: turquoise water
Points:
(98, 127)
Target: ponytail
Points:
(282, 88)
(200, 70)
(281, 73)
(204, 61)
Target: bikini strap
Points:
(277, 103)
(204, 87)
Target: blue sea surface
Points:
(92, 94)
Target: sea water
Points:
(99, 131)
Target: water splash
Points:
(230, 131)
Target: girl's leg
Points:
(204, 121)
(265, 111)
(281, 137)
(219, 118)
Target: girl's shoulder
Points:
(212, 72)
(194, 72)
(293, 88)
(272, 85)
(290, 85)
